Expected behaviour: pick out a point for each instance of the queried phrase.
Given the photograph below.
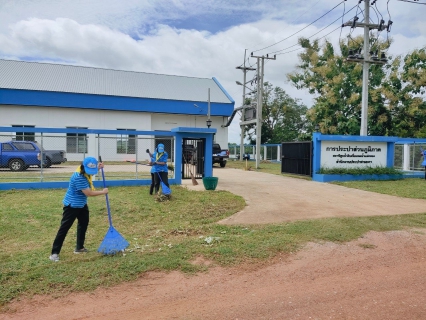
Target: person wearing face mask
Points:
(159, 167)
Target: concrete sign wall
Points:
(336, 151)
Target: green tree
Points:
(283, 118)
(337, 86)
(404, 90)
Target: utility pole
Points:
(245, 69)
(260, 74)
(365, 58)
(365, 72)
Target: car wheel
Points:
(16, 165)
(48, 163)
(223, 164)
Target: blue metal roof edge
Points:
(223, 90)
(104, 102)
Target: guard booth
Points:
(296, 158)
(193, 151)
(196, 147)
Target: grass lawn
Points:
(162, 235)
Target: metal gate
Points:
(193, 158)
(296, 158)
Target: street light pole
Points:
(209, 122)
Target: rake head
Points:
(113, 242)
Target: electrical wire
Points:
(412, 2)
(317, 39)
(377, 11)
(362, 11)
(301, 29)
(387, 8)
(315, 33)
(377, 15)
(375, 4)
(295, 20)
(390, 19)
(353, 40)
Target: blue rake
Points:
(164, 189)
(113, 242)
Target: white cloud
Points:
(139, 35)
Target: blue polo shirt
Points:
(161, 158)
(75, 196)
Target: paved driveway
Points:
(273, 199)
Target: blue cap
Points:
(160, 147)
(90, 165)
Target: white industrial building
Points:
(48, 95)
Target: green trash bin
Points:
(210, 183)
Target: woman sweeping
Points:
(160, 167)
(75, 206)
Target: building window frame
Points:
(126, 143)
(76, 142)
(24, 136)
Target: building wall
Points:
(166, 122)
(54, 117)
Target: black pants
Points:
(68, 217)
(164, 177)
(151, 187)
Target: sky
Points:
(194, 38)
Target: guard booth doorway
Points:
(296, 158)
(193, 158)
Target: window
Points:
(126, 143)
(6, 147)
(76, 142)
(24, 146)
(24, 136)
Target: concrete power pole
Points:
(366, 59)
(260, 75)
(365, 71)
(245, 69)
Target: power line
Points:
(294, 21)
(317, 39)
(387, 8)
(307, 37)
(353, 40)
(301, 29)
(375, 4)
(316, 32)
(377, 15)
(412, 2)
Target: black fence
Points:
(296, 158)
